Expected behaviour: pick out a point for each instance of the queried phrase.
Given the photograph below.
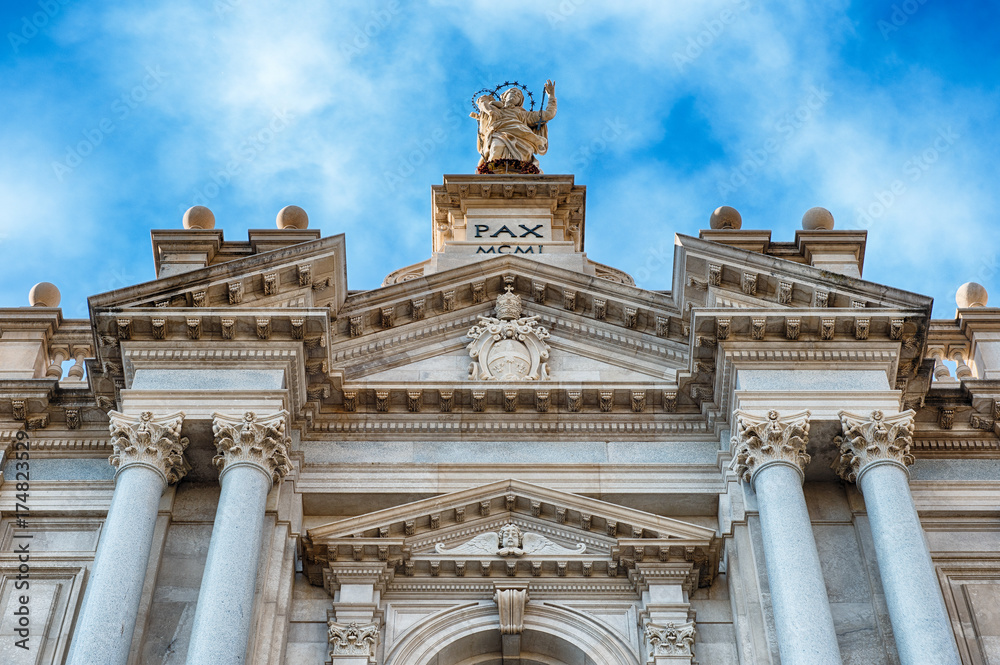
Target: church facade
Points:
(507, 454)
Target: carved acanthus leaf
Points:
(872, 438)
(150, 441)
(759, 440)
(670, 640)
(352, 639)
(250, 438)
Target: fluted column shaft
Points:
(252, 456)
(770, 454)
(875, 454)
(148, 454)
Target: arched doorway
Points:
(470, 635)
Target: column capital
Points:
(150, 441)
(252, 440)
(873, 439)
(352, 640)
(671, 640)
(772, 439)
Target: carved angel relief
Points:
(510, 541)
(509, 347)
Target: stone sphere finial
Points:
(817, 219)
(971, 294)
(292, 217)
(199, 217)
(44, 294)
(725, 217)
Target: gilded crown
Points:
(508, 305)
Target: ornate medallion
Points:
(508, 347)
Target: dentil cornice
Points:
(761, 440)
(251, 439)
(871, 439)
(150, 441)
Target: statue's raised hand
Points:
(550, 88)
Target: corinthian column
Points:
(149, 455)
(874, 452)
(253, 455)
(770, 454)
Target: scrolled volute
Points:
(759, 440)
(252, 439)
(151, 441)
(873, 438)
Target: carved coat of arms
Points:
(508, 347)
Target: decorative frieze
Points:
(235, 292)
(569, 299)
(263, 327)
(150, 441)
(629, 316)
(387, 317)
(270, 283)
(670, 639)
(761, 440)
(722, 329)
(159, 327)
(357, 324)
(479, 292)
(896, 329)
(538, 292)
(260, 441)
(714, 274)
(861, 326)
(827, 327)
(448, 300)
(874, 438)
(304, 273)
(352, 640)
(784, 293)
(978, 422)
(124, 328)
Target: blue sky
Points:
(119, 116)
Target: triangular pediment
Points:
(557, 532)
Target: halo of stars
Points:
(505, 84)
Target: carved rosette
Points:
(509, 347)
(352, 640)
(251, 439)
(760, 440)
(670, 640)
(150, 441)
(872, 439)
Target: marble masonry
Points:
(508, 454)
